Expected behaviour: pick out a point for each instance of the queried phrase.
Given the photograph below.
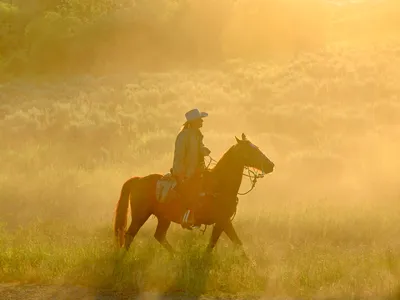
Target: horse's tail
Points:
(121, 212)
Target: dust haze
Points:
(314, 84)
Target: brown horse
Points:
(217, 207)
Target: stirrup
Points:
(185, 219)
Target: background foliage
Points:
(67, 36)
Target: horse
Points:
(217, 208)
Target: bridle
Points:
(252, 173)
(253, 176)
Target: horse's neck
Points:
(228, 174)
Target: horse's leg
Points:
(215, 235)
(232, 235)
(138, 219)
(161, 234)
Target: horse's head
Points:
(252, 156)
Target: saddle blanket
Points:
(164, 187)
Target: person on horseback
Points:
(188, 163)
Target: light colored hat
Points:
(195, 114)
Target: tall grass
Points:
(308, 251)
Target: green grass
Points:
(324, 223)
(336, 251)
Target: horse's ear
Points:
(237, 140)
(244, 137)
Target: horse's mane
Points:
(226, 158)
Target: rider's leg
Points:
(190, 197)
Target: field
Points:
(324, 224)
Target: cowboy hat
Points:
(195, 114)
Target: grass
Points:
(324, 224)
(293, 253)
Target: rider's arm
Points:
(204, 150)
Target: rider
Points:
(188, 163)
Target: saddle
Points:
(165, 188)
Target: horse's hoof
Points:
(247, 260)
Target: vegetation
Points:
(75, 36)
(324, 224)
